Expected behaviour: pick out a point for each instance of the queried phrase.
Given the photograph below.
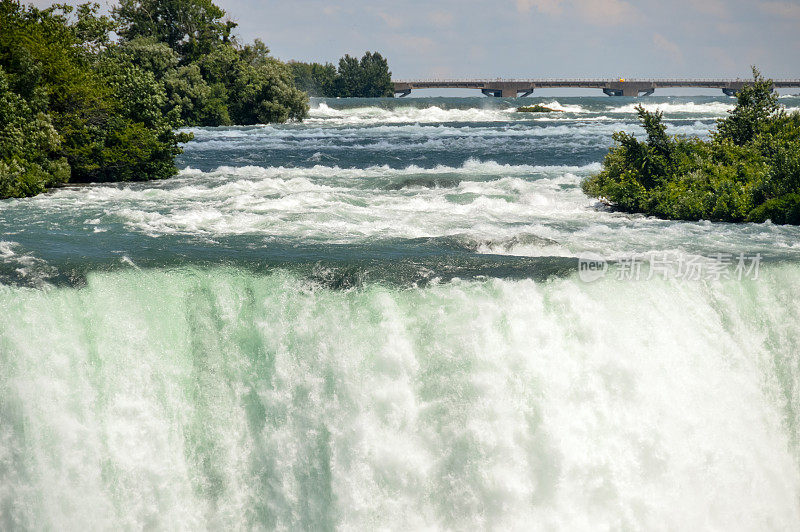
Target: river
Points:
(398, 314)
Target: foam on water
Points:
(523, 210)
(433, 114)
(274, 339)
(411, 135)
(669, 108)
(213, 399)
(323, 114)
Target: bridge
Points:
(512, 88)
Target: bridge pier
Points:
(629, 90)
(507, 90)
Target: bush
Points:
(75, 105)
(748, 171)
(30, 161)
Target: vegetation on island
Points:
(748, 171)
(87, 97)
(538, 108)
(78, 105)
(368, 78)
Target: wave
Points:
(17, 265)
(494, 204)
(323, 113)
(414, 137)
(668, 108)
(252, 401)
(332, 203)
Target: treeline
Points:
(77, 105)
(368, 78)
(749, 170)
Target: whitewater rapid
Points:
(379, 319)
(192, 399)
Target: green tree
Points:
(376, 79)
(190, 27)
(29, 147)
(260, 90)
(368, 78)
(107, 114)
(756, 104)
(348, 78)
(314, 78)
(748, 171)
(148, 54)
(195, 101)
(93, 31)
(209, 80)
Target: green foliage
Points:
(76, 105)
(782, 210)
(258, 88)
(194, 100)
(147, 54)
(756, 105)
(368, 78)
(375, 78)
(748, 171)
(537, 108)
(93, 30)
(190, 27)
(208, 80)
(29, 146)
(314, 78)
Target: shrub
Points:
(748, 171)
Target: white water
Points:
(186, 400)
(268, 340)
(500, 207)
(322, 113)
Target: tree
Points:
(74, 108)
(314, 78)
(756, 103)
(348, 78)
(376, 80)
(194, 100)
(368, 78)
(748, 171)
(148, 54)
(210, 80)
(29, 146)
(190, 27)
(259, 90)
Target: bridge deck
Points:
(611, 86)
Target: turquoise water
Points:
(376, 319)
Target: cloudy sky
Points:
(534, 38)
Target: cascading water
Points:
(361, 323)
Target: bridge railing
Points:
(586, 80)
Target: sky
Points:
(533, 38)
